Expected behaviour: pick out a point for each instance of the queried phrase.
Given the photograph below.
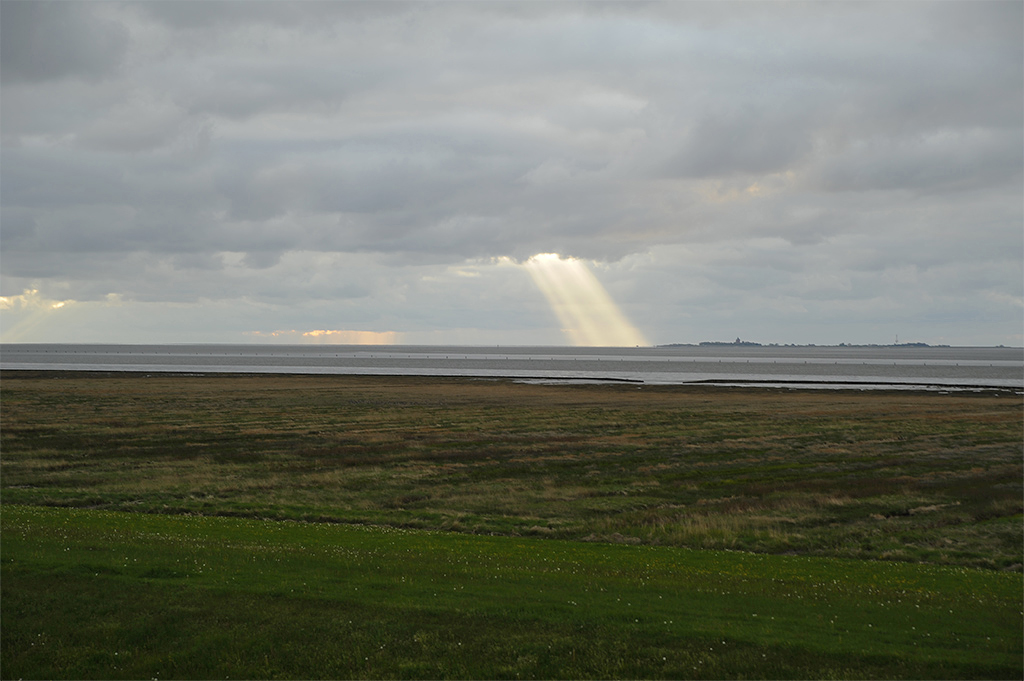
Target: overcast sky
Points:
(381, 172)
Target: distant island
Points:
(752, 344)
(735, 342)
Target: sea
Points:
(912, 367)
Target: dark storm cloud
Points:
(51, 40)
(746, 141)
(942, 161)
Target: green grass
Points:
(395, 527)
(96, 594)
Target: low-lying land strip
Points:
(623, 472)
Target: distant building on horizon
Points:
(735, 342)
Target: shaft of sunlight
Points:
(586, 312)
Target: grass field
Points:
(483, 528)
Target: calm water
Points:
(826, 367)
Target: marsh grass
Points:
(876, 475)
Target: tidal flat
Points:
(897, 483)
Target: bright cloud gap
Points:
(329, 336)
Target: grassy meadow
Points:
(396, 527)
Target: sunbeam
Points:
(586, 312)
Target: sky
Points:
(529, 173)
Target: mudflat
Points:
(890, 475)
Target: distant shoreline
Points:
(721, 344)
(752, 344)
(865, 367)
(710, 385)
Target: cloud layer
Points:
(816, 172)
